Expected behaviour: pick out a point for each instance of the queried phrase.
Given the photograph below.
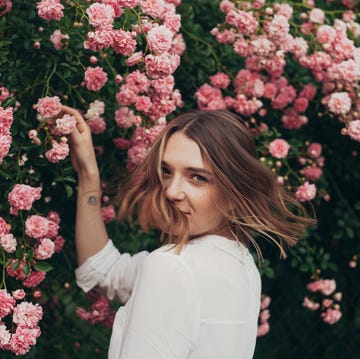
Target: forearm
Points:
(90, 231)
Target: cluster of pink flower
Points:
(330, 307)
(264, 326)
(57, 125)
(262, 85)
(25, 316)
(100, 312)
(6, 120)
(5, 6)
(336, 65)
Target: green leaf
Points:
(69, 190)
(43, 267)
(29, 255)
(26, 269)
(19, 253)
(15, 266)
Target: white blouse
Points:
(201, 304)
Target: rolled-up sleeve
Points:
(113, 273)
(163, 316)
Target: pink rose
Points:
(108, 213)
(45, 249)
(309, 304)
(34, 279)
(59, 244)
(7, 303)
(159, 39)
(27, 314)
(36, 226)
(263, 329)
(124, 117)
(317, 16)
(220, 80)
(23, 339)
(314, 150)
(8, 242)
(100, 15)
(279, 148)
(57, 39)
(354, 130)
(19, 294)
(97, 125)
(331, 316)
(95, 78)
(23, 196)
(50, 9)
(312, 173)
(306, 192)
(65, 124)
(6, 120)
(339, 103)
(4, 227)
(58, 152)
(123, 42)
(49, 106)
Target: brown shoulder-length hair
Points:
(251, 200)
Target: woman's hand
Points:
(82, 151)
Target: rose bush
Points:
(292, 73)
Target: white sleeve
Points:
(113, 273)
(163, 318)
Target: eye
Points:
(165, 171)
(199, 179)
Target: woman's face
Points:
(189, 185)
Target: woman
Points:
(203, 187)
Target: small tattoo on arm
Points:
(93, 201)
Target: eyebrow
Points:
(191, 169)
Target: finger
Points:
(80, 122)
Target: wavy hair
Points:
(252, 202)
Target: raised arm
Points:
(90, 231)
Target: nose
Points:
(174, 190)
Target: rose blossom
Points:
(331, 316)
(121, 143)
(306, 192)
(45, 249)
(4, 334)
(27, 314)
(5, 6)
(59, 244)
(58, 152)
(108, 213)
(124, 117)
(312, 173)
(7, 303)
(279, 148)
(5, 143)
(263, 329)
(65, 124)
(317, 16)
(23, 196)
(339, 103)
(159, 39)
(123, 42)
(314, 150)
(309, 304)
(23, 338)
(18, 294)
(354, 130)
(50, 9)
(49, 106)
(220, 80)
(8, 242)
(6, 120)
(100, 14)
(97, 125)
(95, 78)
(34, 279)
(36, 226)
(57, 39)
